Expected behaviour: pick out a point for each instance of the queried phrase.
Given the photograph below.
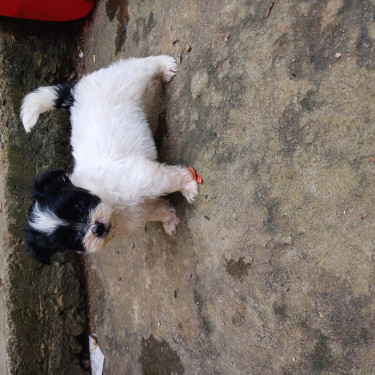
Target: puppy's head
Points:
(65, 217)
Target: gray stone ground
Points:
(272, 269)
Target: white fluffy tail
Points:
(41, 100)
(44, 99)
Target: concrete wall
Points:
(4, 334)
(45, 307)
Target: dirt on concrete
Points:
(272, 269)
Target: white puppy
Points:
(116, 177)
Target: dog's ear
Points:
(39, 255)
(35, 243)
(48, 182)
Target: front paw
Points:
(190, 191)
(170, 68)
(170, 225)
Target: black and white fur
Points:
(116, 181)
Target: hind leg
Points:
(161, 210)
(133, 74)
(163, 65)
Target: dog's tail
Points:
(45, 99)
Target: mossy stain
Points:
(238, 269)
(158, 358)
(119, 8)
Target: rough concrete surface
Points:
(272, 269)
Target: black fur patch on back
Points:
(64, 95)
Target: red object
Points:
(46, 10)
(196, 176)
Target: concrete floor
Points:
(272, 269)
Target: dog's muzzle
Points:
(100, 229)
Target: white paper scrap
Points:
(96, 357)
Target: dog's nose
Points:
(100, 230)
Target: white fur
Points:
(113, 148)
(44, 220)
(35, 103)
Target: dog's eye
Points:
(79, 206)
